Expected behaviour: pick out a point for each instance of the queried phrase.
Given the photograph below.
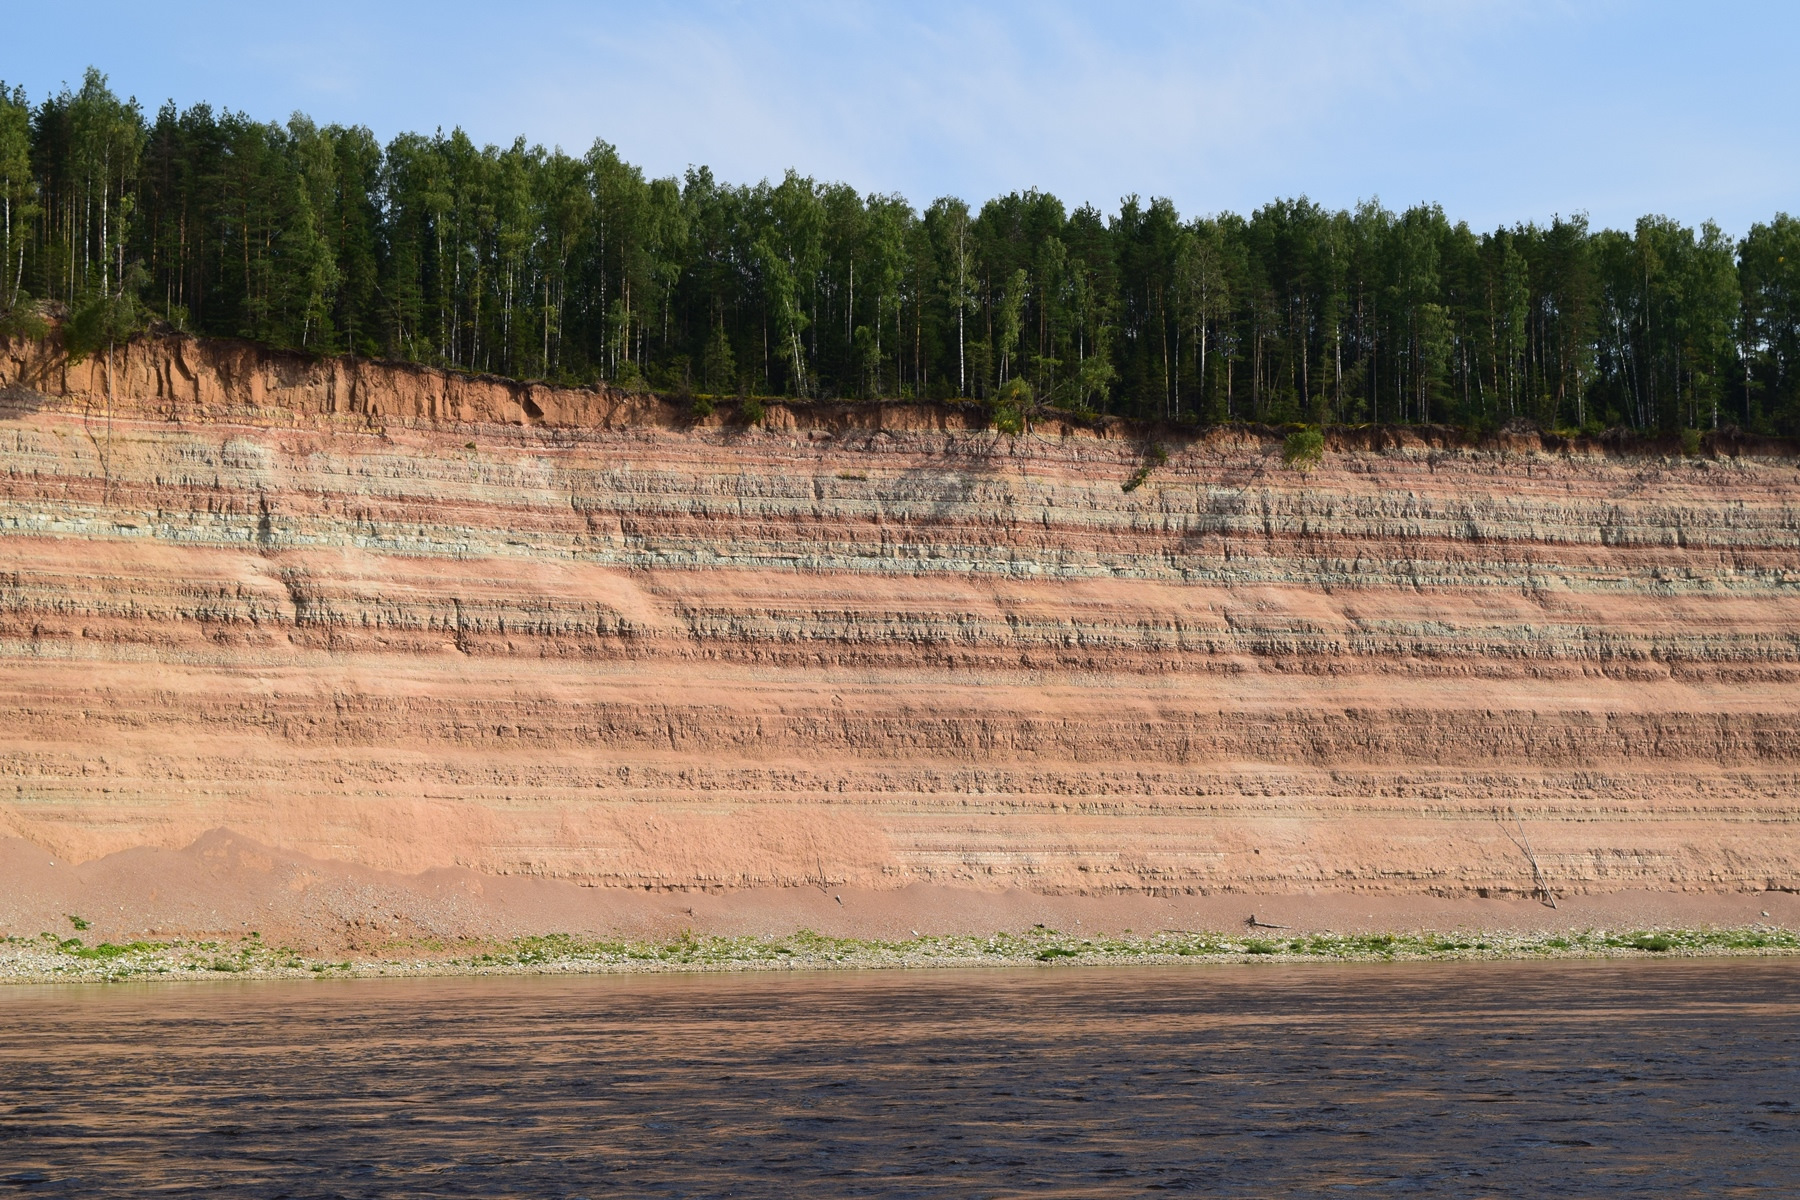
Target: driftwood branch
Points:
(1523, 842)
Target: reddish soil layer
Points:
(228, 886)
(404, 621)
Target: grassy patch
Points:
(69, 958)
(1303, 449)
(107, 951)
(807, 948)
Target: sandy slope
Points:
(227, 885)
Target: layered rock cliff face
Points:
(409, 619)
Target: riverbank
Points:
(48, 958)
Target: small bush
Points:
(752, 411)
(702, 407)
(105, 320)
(1010, 405)
(23, 321)
(77, 922)
(1690, 443)
(1655, 942)
(1155, 457)
(106, 951)
(1303, 449)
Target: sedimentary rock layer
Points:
(411, 619)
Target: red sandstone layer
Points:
(410, 620)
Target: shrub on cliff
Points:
(1303, 449)
(23, 321)
(1155, 457)
(752, 411)
(105, 320)
(1007, 413)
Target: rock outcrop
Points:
(406, 618)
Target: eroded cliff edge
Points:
(410, 619)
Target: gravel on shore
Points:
(48, 958)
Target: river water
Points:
(1664, 1078)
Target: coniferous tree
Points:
(532, 262)
(18, 196)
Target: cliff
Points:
(410, 619)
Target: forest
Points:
(533, 263)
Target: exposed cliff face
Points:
(410, 619)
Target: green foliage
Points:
(718, 364)
(1010, 404)
(1155, 457)
(701, 407)
(1768, 280)
(751, 411)
(105, 320)
(22, 321)
(107, 951)
(78, 922)
(70, 958)
(534, 263)
(18, 207)
(1303, 449)
(1690, 442)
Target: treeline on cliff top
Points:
(537, 264)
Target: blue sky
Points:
(1500, 111)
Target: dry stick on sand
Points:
(106, 468)
(101, 452)
(1523, 842)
